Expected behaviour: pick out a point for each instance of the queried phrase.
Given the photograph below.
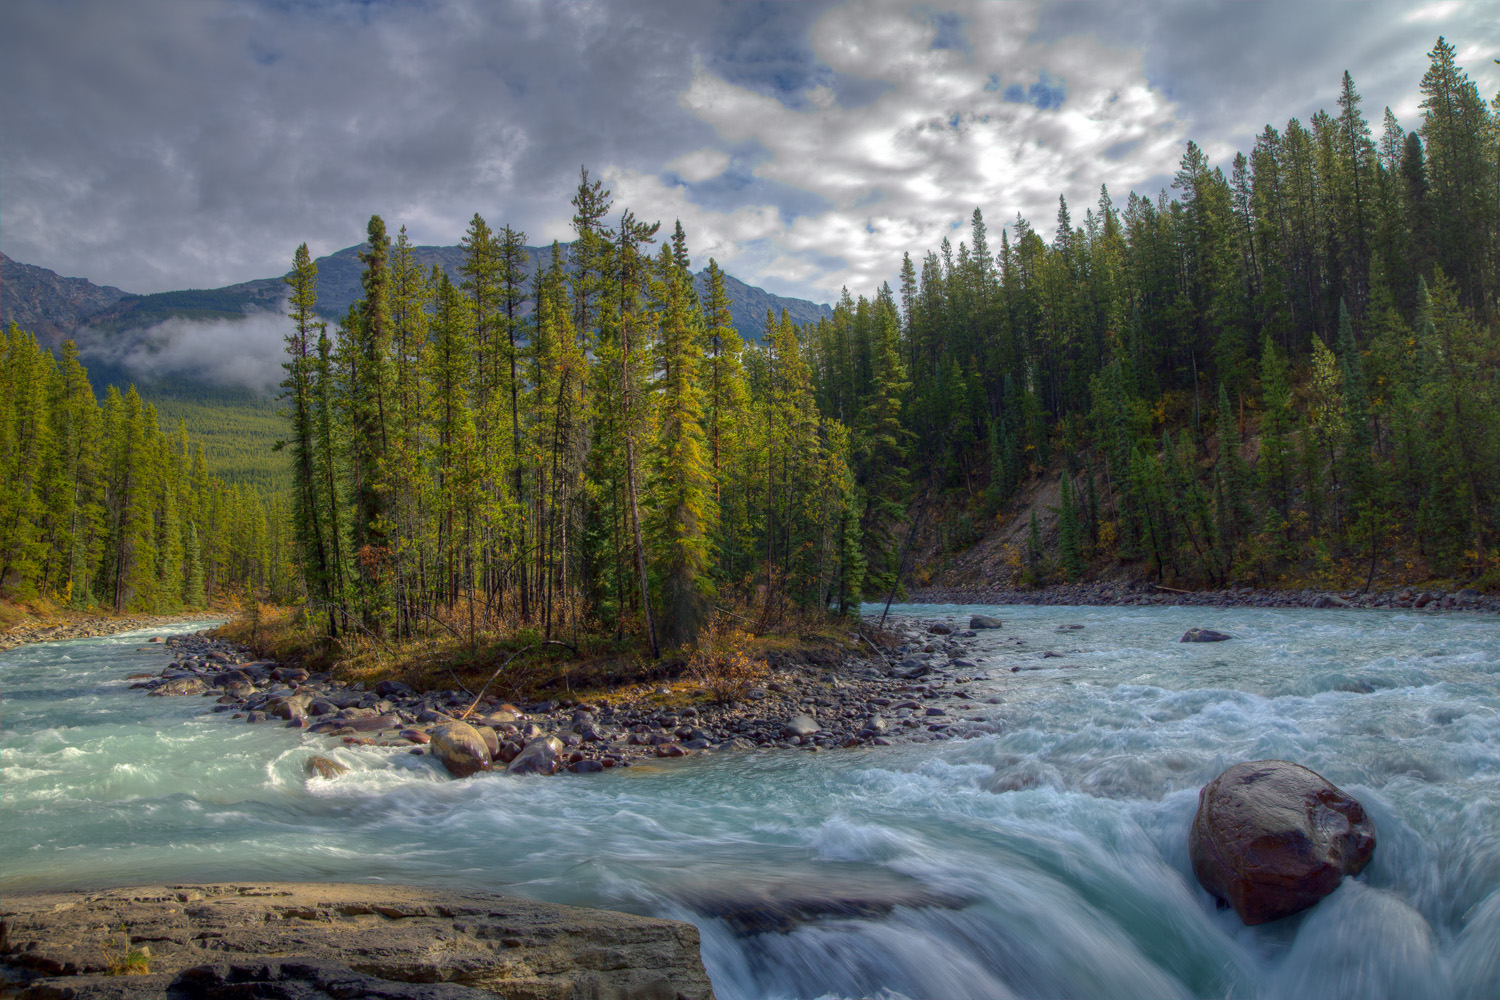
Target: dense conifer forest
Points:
(1291, 368)
(99, 508)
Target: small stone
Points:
(801, 725)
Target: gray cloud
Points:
(170, 143)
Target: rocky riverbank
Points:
(315, 940)
(1142, 593)
(88, 627)
(813, 699)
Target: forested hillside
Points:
(100, 508)
(1286, 371)
(596, 446)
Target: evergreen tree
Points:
(1069, 542)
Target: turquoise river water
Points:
(1046, 858)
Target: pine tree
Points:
(683, 477)
(369, 348)
(883, 443)
(298, 392)
(1069, 544)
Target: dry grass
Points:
(591, 662)
(122, 958)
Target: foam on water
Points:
(1045, 857)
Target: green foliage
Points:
(99, 507)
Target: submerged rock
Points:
(761, 902)
(1330, 601)
(1204, 635)
(1271, 838)
(462, 750)
(323, 767)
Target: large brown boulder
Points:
(460, 748)
(1272, 838)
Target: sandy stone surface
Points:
(498, 945)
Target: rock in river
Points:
(984, 621)
(323, 767)
(1272, 838)
(460, 748)
(541, 756)
(1204, 635)
(180, 686)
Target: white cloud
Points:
(1440, 10)
(941, 139)
(700, 165)
(191, 143)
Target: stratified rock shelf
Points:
(486, 942)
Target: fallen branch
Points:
(901, 565)
(479, 697)
(735, 614)
(1172, 590)
(460, 683)
(433, 618)
(877, 649)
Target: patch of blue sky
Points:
(1048, 92)
(263, 55)
(765, 47)
(738, 186)
(950, 32)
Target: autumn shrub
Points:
(724, 669)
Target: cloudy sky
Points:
(162, 144)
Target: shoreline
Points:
(1139, 593)
(812, 699)
(91, 626)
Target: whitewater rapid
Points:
(1048, 859)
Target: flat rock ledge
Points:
(315, 939)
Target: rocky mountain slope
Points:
(48, 304)
(55, 307)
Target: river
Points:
(1046, 858)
